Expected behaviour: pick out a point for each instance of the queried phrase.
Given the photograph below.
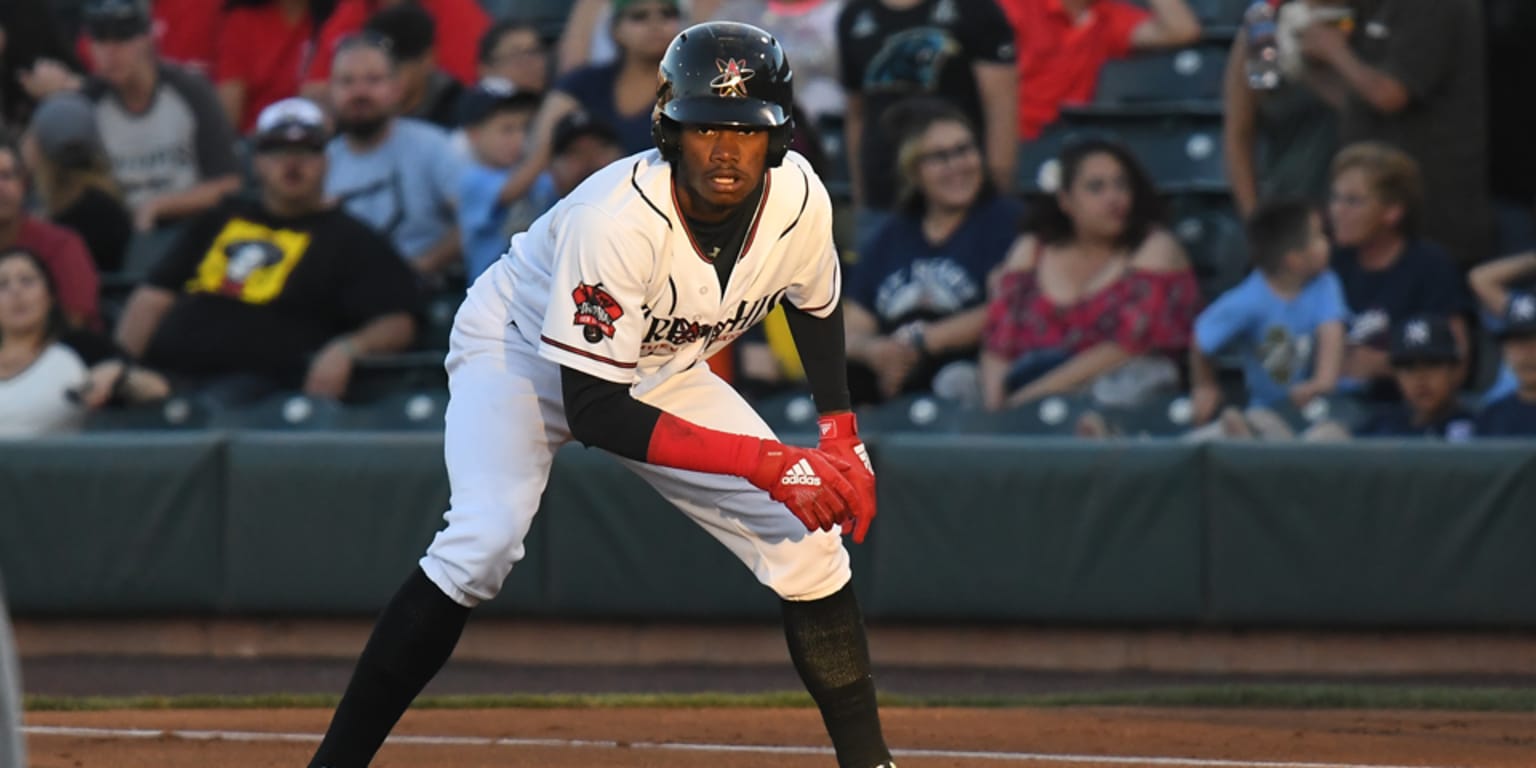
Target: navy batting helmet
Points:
(729, 74)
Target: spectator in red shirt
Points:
(460, 25)
(1062, 45)
(60, 249)
(262, 44)
(1095, 296)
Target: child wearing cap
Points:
(1515, 413)
(1426, 362)
(1494, 282)
(495, 118)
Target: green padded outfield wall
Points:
(1372, 533)
(1005, 529)
(985, 528)
(113, 525)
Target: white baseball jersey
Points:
(610, 282)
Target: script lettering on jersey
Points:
(596, 310)
(672, 333)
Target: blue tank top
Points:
(592, 87)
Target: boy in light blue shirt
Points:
(496, 119)
(1286, 320)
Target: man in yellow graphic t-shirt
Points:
(278, 293)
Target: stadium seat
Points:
(375, 376)
(788, 413)
(1182, 152)
(1038, 170)
(1159, 417)
(116, 287)
(1191, 76)
(286, 411)
(417, 410)
(146, 249)
(1220, 12)
(548, 16)
(1225, 13)
(1048, 416)
(1346, 409)
(835, 176)
(174, 413)
(437, 320)
(911, 413)
(1212, 234)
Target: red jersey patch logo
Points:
(597, 310)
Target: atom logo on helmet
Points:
(732, 81)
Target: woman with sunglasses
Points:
(1095, 296)
(916, 297)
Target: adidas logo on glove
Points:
(801, 474)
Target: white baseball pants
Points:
(505, 421)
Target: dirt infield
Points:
(793, 738)
(168, 658)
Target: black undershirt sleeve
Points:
(602, 414)
(823, 354)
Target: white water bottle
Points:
(1263, 63)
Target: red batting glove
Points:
(840, 437)
(811, 483)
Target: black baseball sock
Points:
(411, 641)
(827, 644)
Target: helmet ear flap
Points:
(666, 134)
(779, 139)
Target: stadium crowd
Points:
(1202, 219)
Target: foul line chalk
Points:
(669, 746)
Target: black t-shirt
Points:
(103, 223)
(1511, 26)
(929, 49)
(1395, 420)
(261, 294)
(1507, 417)
(1423, 280)
(1435, 48)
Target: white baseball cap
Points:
(290, 122)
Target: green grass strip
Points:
(1219, 696)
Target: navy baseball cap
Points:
(490, 96)
(290, 123)
(576, 125)
(1519, 317)
(116, 19)
(1424, 339)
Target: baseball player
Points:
(595, 326)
